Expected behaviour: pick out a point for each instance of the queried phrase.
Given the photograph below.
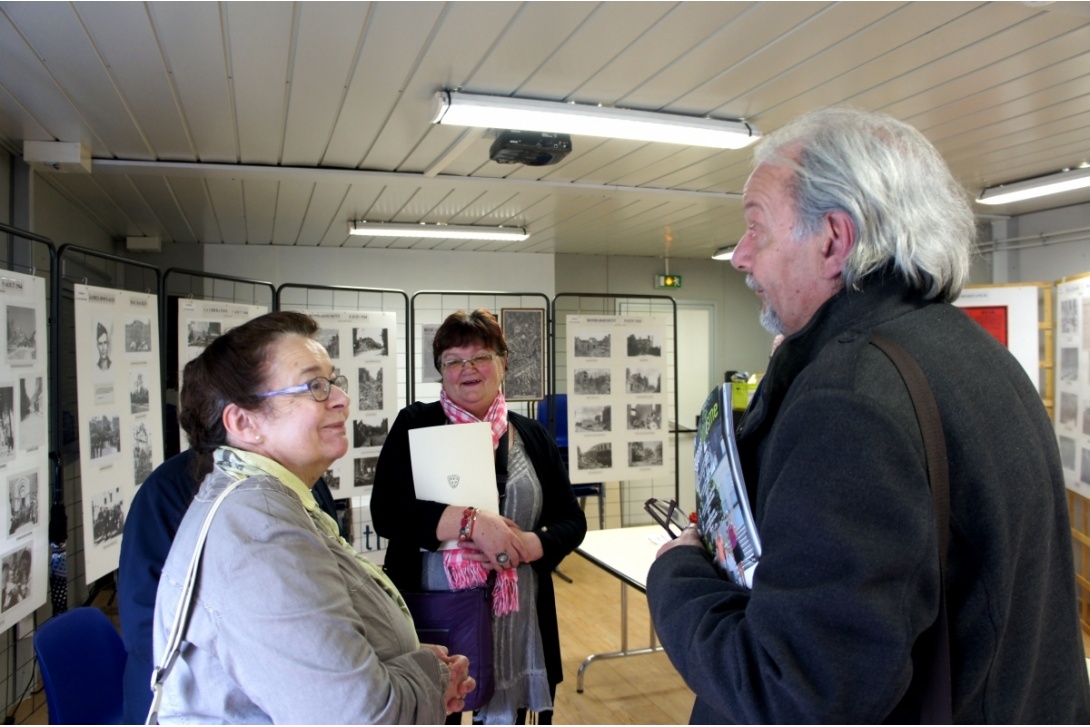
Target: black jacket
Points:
(408, 524)
(833, 458)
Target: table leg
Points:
(625, 651)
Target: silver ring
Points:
(503, 558)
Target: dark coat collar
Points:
(881, 298)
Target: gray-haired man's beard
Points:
(770, 319)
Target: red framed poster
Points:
(993, 318)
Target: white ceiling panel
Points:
(276, 123)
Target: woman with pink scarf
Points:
(540, 521)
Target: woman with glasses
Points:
(540, 520)
(287, 623)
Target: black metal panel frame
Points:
(552, 363)
(479, 293)
(164, 312)
(53, 364)
(64, 253)
(365, 291)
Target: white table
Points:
(628, 554)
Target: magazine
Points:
(722, 506)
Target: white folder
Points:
(455, 464)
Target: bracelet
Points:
(465, 530)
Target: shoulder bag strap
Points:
(937, 705)
(181, 615)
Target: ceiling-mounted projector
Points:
(532, 148)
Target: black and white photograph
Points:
(590, 344)
(592, 381)
(1084, 474)
(593, 418)
(524, 330)
(138, 338)
(645, 454)
(1067, 452)
(332, 479)
(1069, 408)
(370, 388)
(105, 435)
(107, 515)
(645, 417)
(103, 329)
(22, 334)
(370, 431)
(7, 422)
(22, 501)
(31, 412)
(1069, 315)
(595, 457)
(201, 333)
(139, 397)
(330, 338)
(370, 340)
(363, 470)
(1069, 364)
(15, 580)
(428, 372)
(141, 453)
(644, 343)
(643, 380)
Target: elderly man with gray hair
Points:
(857, 233)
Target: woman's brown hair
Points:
(461, 328)
(232, 370)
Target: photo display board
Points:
(1071, 408)
(202, 321)
(120, 409)
(363, 347)
(616, 397)
(24, 449)
(1010, 313)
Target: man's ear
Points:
(839, 243)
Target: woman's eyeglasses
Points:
(481, 360)
(318, 387)
(668, 515)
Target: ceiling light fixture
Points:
(501, 112)
(724, 253)
(427, 229)
(1064, 181)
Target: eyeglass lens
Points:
(320, 386)
(476, 362)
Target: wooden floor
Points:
(643, 689)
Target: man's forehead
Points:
(765, 181)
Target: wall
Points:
(739, 341)
(58, 219)
(1035, 262)
(407, 270)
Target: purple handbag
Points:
(462, 622)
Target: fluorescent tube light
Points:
(426, 229)
(1064, 181)
(725, 253)
(501, 112)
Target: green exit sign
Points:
(667, 281)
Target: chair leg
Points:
(563, 577)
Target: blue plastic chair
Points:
(82, 661)
(582, 490)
